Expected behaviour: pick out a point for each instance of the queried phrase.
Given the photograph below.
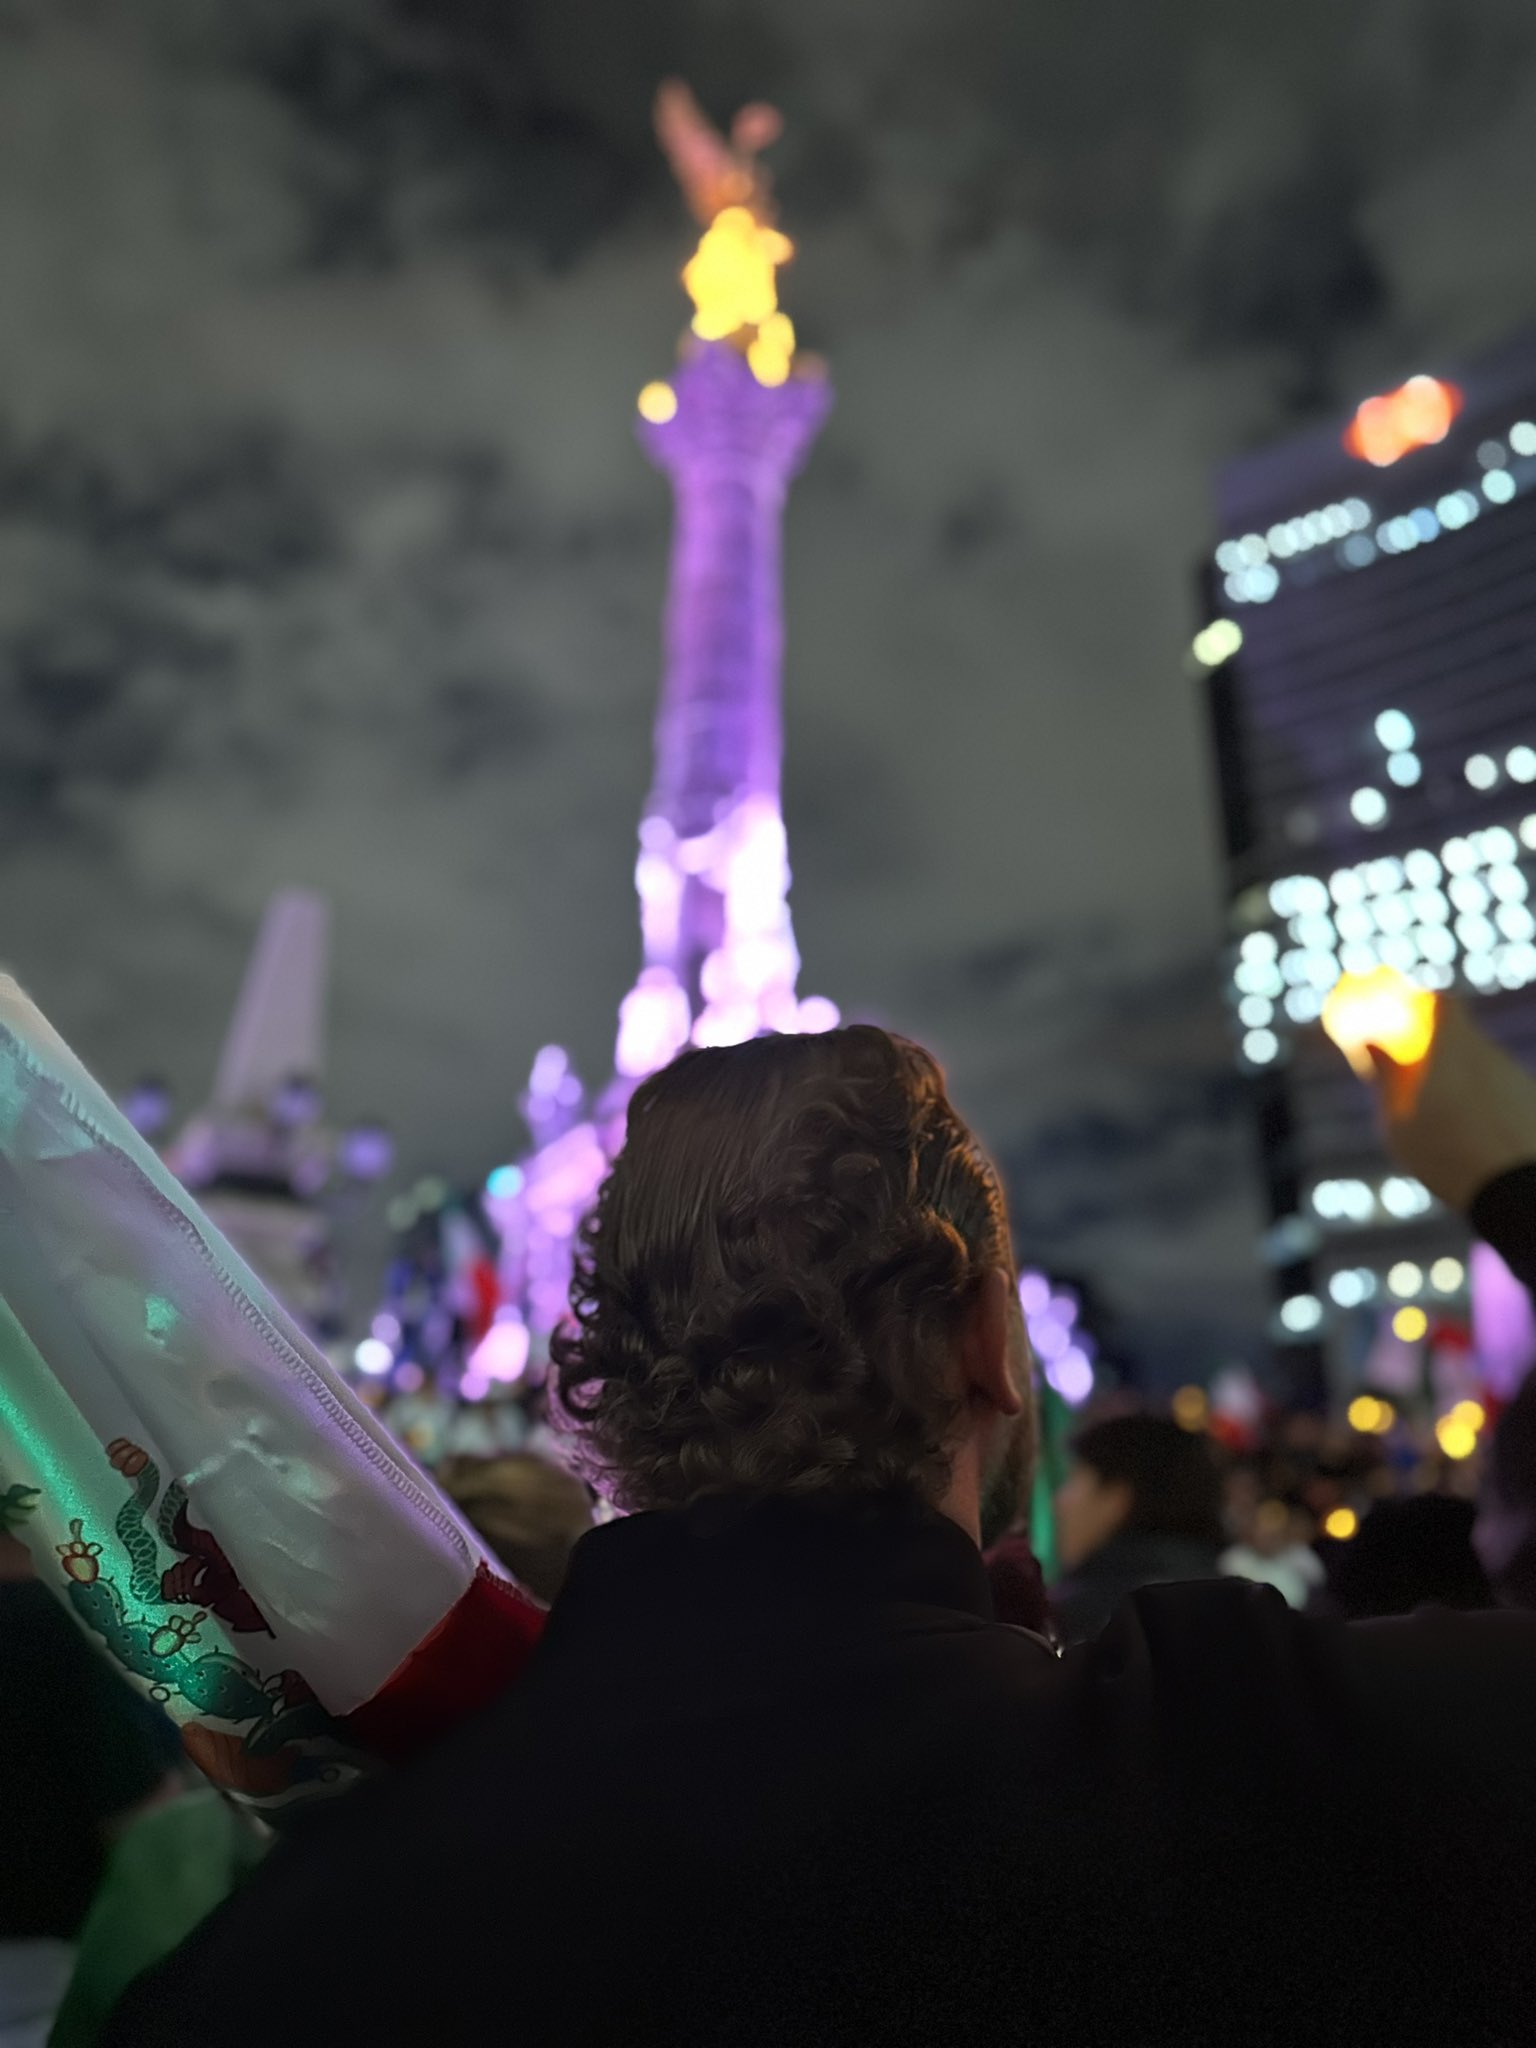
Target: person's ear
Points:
(995, 1350)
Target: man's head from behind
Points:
(798, 1280)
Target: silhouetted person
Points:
(1406, 1554)
(1141, 1506)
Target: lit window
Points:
(1301, 1313)
(1496, 845)
(1395, 730)
(1313, 932)
(1368, 807)
(1460, 856)
(1394, 913)
(1508, 884)
(1402, 1197)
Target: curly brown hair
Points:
(769, 1287)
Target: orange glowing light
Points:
(1380, 1008)
(1410, 1325)
(1415, 415)
(1341, 1524)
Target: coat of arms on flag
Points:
(196, 1483)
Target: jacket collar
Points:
(727, 1565)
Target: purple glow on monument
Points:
(729, 429)
(713, 869)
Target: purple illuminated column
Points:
(720, 960)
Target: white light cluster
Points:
(1301, 1314)
(1429, 915)
(1248, 562)
(1395, 731)
(1484, 772)
(1353, 1286)
(1357, 1201)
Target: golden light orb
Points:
(657, 403)
(1455, 1436)
(1341, 1524)
(1191, 1408)
(732, 275)
(1410, 1324)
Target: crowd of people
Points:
(809, 1750)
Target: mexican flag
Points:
(196, 1484)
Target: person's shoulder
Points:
(1419, 1682)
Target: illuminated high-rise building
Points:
(1370, 643)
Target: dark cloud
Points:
(482, 725)
(233, 505)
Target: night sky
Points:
(327, 556)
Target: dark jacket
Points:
(777, 1777)
(1084, 1601)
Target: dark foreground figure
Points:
(777, 1776)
